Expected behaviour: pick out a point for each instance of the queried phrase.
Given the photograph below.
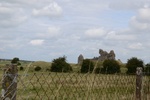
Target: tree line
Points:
(88, 66)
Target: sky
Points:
(47, 29)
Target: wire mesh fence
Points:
(66, 86)
(77, 86)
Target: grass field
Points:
(76, 86)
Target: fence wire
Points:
(77, 86)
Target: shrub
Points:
(97, 70)
(60, 65)
(132, 64)
(87, 66)
(147, 69)
(21, 68)
(37, 68)
(15, 61)
(110, 67)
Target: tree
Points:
(132, 64)
(87, 66)
(15, 60)
(147, 69)
(60, 65)
(110, 66)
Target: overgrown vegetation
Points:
(147, 69)
(98, 66)
(15, 61)
(93, 86)
(110, 67)
(132, 64)
(60, 65)
(21, 68)
(37, 68)
(77, 86)
(87, 66)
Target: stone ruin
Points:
(80, 59)
(105, 55)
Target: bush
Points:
(37, 68)
(87, 66)
(110, 67)
(15, 61)
(97, 70)
(132, 64)
(60, 65)
(21, 68)
(147, 69)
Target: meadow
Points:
(45, 85)
(76, 86)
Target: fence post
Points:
(9, 82)
(138, 82)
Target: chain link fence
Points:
(69, 86)
(77, 86)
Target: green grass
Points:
(67, 86)
(74, 86)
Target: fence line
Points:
(9, 83)
(64, 85)
(77, 86)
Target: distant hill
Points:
(41, 64)
(11, 59)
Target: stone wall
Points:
(105, 55)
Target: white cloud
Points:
(135, 24)
(70, 31)
(5, 10)
(95, 32)
(28, 3)
(112, 35)
(52, 10)
(51, 32)
(141, 21)
(37, 42)
(11, 16)
(144, 14)
(135, 46)
(14, 21)
(127, 5)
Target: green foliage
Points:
(37, 68)
(87, 66)
(147, 69)
(97, 70)
(44, 65)
(19, 63)
(21, 68)
(132, 64)
(15, 61)
(60, 65)
(110, 67)
(98, 65)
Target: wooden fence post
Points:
(138, 83)
(9, 82)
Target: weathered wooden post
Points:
(138, 83)
(9, 82)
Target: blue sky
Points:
(48, 29)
